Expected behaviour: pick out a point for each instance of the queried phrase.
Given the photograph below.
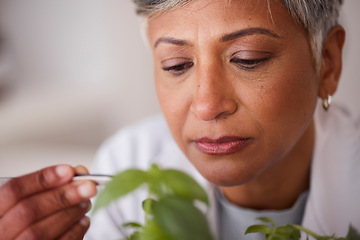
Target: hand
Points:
(46, 205)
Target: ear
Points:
(331, 62)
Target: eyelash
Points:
(179, 68)
(248, 64)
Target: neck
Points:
(280, 185)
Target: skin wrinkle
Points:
(270, 102)
(317, 17)
(208, 55)
(246, 32)
(170, 41)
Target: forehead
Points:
(203, 18)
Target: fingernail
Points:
(86, 190)
(84, 205)
(85, 221)
(62, 170)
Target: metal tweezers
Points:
(99, 179)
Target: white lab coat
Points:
(334, 197)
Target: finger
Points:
(19, 188)
(41, 206)
(78, 231)
(80, 169)
(55, 225)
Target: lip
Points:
(221, 146)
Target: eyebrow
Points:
(225, 38)
(170, 40)
(247, 32)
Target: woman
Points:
(238, 83)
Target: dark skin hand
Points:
(46, 205)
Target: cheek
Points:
(289, 89)
(285, 108)
(173, 102)
(286, 100)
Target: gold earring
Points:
(326, 102)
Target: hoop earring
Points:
(326, 102)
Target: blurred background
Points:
(73, 72)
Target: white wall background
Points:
(73, 72)
(78, 72)
(348, 92)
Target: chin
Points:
(228, 181)
(226, 174)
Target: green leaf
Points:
(152, 231)
(258, 229)
(183, 185)
(132, 225)
(180, 219)
(156, 187)
(134, 236)
(121, 184)
(307, 231)
(147, 205)
(287, 232)
(352, 234)
(268, 220)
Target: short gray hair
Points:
(316, 16)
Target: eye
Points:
(247, 64)
(177, 66)
(249, 60)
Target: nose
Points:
(214, 96)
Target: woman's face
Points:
(236, 83)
